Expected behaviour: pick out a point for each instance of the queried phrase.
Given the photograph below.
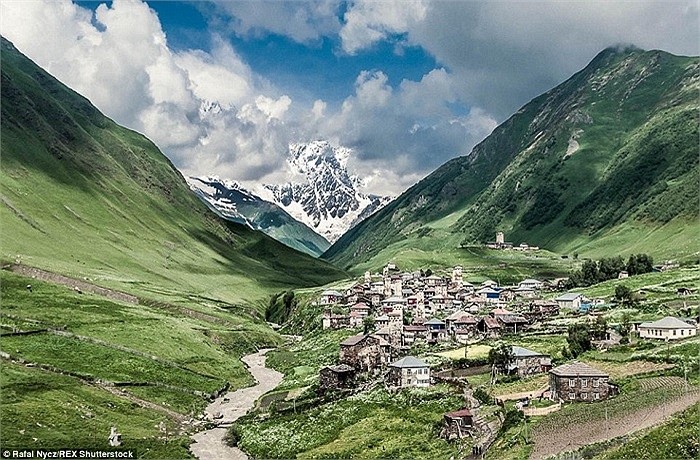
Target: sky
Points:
(224, 87)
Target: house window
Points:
(572, 395)
(596, 395)
(572, 382)
(682, 331)
(674, 332)
(584, 383)
(596, 382)
(584, 395)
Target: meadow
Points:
(373, 424)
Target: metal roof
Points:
(409, 362)
(668, 322)
(569, 296)
(577, 369)
(520, 352)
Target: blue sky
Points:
(223, 87)
(319, 69)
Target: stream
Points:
(209, 444)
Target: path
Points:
(209, 444)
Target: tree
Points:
(288, 301)
(624, 296)
(579, 339)
(368, 324)
(640, 263)
(625, 323)
(589, 272)
(600, 328)
(500, 356)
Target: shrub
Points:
(482, 396)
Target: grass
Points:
(300, 362)
(369, 425)
(476, 351)
(50, 411)
(677, 438)
(102, 362)
(189, 342)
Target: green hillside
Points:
(85, 197)
(606, 162)
(88, 199)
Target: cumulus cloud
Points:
(206, 110)
(303, 21)
(369, 21)
(400, 134)
(501, 54)
(211, 113)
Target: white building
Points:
(409, 372)
(668, 328)
(570, 300)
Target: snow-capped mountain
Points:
(326, 198)
(230, 201)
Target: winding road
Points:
(209, 444)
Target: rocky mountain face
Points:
(232, 202)
(607, 159)
(326, 198)
(323, 197)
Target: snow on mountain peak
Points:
(327, 198)
(323, 194)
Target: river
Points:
(209, 444)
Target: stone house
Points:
(436, 330)
(527, 362)
(330, 320)
(668, 328)
(408, 372)
(365, 353)
(578, 381)
(330, 297)
(512, 324)
(489, 326)
(412, 333)
(340, 376)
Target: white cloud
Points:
(368, 21)
(211, 113)
(501, 54)
(119, 58)
(302, 21)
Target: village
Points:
(399, 315)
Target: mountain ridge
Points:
(233, 202)
(85, 197)
(550, 157)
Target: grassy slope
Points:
(677, 438)
(368, 425)
(85, 197)
(46, 410)
(630, 187)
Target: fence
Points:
(537, 411)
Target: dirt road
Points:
(209, 444)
